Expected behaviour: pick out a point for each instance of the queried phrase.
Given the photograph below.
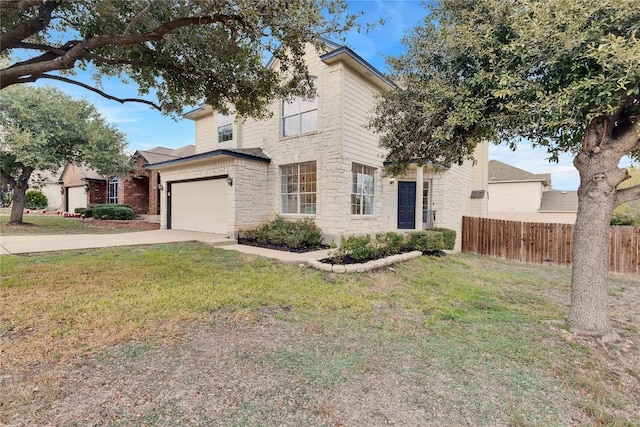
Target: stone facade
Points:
(346, 89)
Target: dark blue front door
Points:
(406, 205)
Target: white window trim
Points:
(299, 114)
(359, 170)
(298, 193)
(113, 190)
(224, 122)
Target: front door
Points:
(406, 205)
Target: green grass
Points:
(481, 338)
(39, 224)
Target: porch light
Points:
(230, 181)
(160, 187)
(392, 180)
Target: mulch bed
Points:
(131, 225)
(301, 250)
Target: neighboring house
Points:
(518, 195)
(82, 186)
(47, 182)
(314, 158)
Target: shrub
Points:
(293, 234)
(448, 235)
(623, 218)
(359, 248)
(80, 211)
(425, 241)
(389, 243)
(88, 212)
(34, 199)
(112, 212)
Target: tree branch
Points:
(8, 178)
(15, 74)
(28, 28)
(627, 195)
(92, 89)
(137, 19)
(19, 4)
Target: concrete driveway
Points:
(31, 244)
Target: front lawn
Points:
(50, 223)
(187, 334)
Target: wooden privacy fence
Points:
(544, 242)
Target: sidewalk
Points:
(13, 245)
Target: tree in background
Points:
(563, 74)
(43, 129)
(182, 51)
(628, 213)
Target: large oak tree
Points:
(41, 128)
(562, 74)
(177, 52)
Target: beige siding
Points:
(552, 217)
(515, 197)
(206, 133)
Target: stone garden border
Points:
(361, 268)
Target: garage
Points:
(199, 205)
(76, 198)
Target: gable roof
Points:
(559, 201)
(502, 172)
(162, 154)
(87, 173)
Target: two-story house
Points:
(313, 158)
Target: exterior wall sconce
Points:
(230, 181)
(392, 180)
(86, 189)
(160, 187)
(62, 190)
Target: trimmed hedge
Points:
(293, 234)
(425, 241)
(448, 235)
(35, 199)
(112, 212)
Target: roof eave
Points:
(345, 54)
(206, 156)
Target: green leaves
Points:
(185, 52)
(498, 71)
(44, 129)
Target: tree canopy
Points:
(43, 129)
(181, 52)
(562, 74)
(501, 71)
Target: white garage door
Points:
(77, 198)
(200, 206)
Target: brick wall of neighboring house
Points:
(97, 192)
(154, 202)
(72, 176)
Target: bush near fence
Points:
(542, 243)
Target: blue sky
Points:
(146, 128)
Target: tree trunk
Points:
(19, 186)
(597, 164)
(17, 204)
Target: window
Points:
(298, 183)
(225, 127)
(113, 189)
(300, 115)
(362, 189)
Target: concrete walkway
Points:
(33, 244)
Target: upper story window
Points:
(113, 189)
(300, 115)
(362, 189)
(225, 127)
(298, 184)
